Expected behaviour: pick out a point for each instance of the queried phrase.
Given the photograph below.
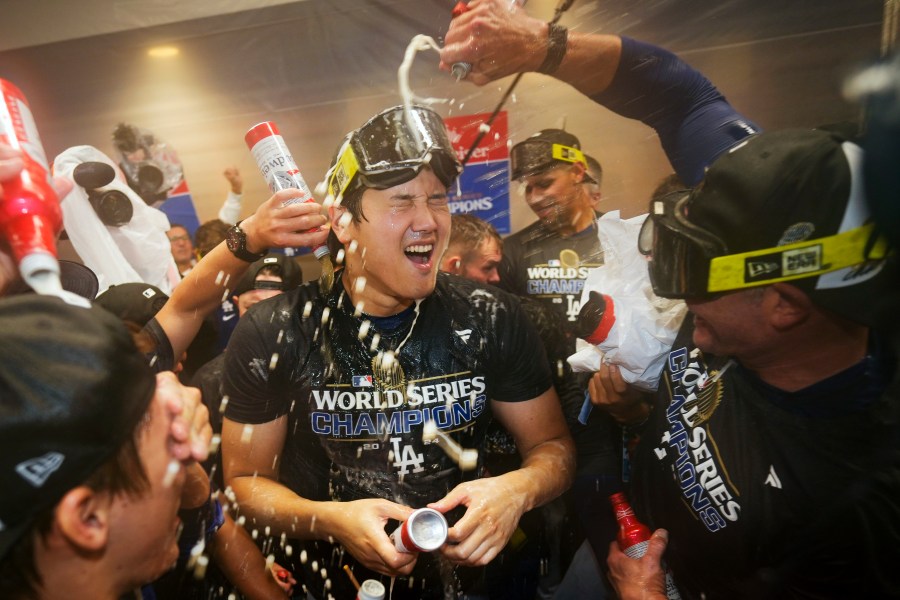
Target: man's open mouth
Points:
(420, 253)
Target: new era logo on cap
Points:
(37, 470)
(786, 263)
(756, 269)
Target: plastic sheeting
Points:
(645, 325)
(136, 251)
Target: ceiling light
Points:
(163, 52)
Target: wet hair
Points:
(121, 474)
(209, 235)
(668, 184)
(594, 170)
(468, 232)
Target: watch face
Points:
(235, 239)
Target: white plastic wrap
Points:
(645, 325)
(136, 251)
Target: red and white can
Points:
(277, 165)
(425, 530)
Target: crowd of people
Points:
(766, 464)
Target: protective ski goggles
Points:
(688, 262)
(533, 156)
(392, 148)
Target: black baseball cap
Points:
(781, 206)
(134, 302)
(73, 388)
(74, 277)
(290, 272)
(546, 149)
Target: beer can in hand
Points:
(425, 530)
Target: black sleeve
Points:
(160, 358)
(523, 371)
(510, 269)
(250, 379)
(694, 121)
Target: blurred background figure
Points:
(474, 251)
(151, 167)
(592, 183)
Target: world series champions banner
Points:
(483, 187)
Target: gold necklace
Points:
(387, 372)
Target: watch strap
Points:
(237, 243)
(558, 37)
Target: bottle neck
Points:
(625, 515)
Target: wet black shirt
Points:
(768, 494)
(355, 432)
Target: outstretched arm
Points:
(275, 224)
(637, 80)
(231, 209)
(247, 458)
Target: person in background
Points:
(182, 248)
(548, 262)
(209, 235)
(778, 355)
(593, 182)
(474, 250)
(270, 276)
(230, 212)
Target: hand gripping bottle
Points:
(634, 537)
(280, 171)
(30, 217)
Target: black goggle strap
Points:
(797, 261)
(264, 284)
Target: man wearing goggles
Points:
(548, 262)
(770, 457)
(330, 390)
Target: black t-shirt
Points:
(544, 265)
(767, 494)
(550, 270)
(350, 434)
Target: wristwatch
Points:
(236, 240)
